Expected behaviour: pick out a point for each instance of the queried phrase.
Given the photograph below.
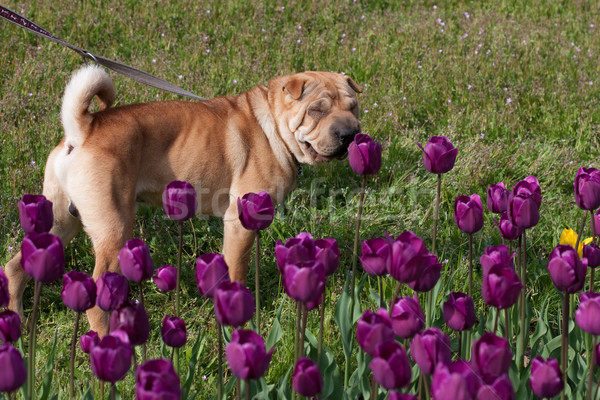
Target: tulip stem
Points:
(580, 233)
(73, 349)
(524, 329)
(593, 241)
(496, 321)
(459, 343)
(257, 282)
(220, 357)
(381, 296)
(507, 326)
(590, 379)
(247, 384)
(32, 340)
(144, 349)
(470, 264)
(426, 386)
(304, 320)
(321, 325)
(565, 340)
(374, 388)
(180, 248)
(436, 212)
(238, 389)
(113, 391)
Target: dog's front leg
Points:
(237, 245)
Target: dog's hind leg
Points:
(65, 226)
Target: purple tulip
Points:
(43, 257)
(439, 155)
(157, 380)
(364, 155)
(179, 201)
(133, 319)
(10, 326)
(304, 281)
(79, 291)
(13, 369)
(328, 253)
(595, 223)
(491, 356)
(497, 198)
(507, 229)
(497, 388)
(407, 317)
(35, 213)
(454, 381)
(566, 269)
(587, 188)
(234, 304)
(501, 286)
(429, 348)
(376, 256)
(112, 291)
(246, 354)
(88, 340)
(409, 257)
(468, 213)
(390, 366)
(401, 396)
(173, 331)
(307, 379)
(592, 253)
(301, 247)
(493, 255)
(4, 295)
(135, 261)
(459, 311)
(211, 270)
(546, 379)
(586, 315)
(524, 203)
(256, 210)
(111, 359)
(429, 277)
(372, 329)
(165, 278)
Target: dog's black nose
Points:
(346, 135)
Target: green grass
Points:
(513, 85)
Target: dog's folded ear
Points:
(294, 86)
(353, 85)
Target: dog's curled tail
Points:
(85, 83)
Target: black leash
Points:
(122, 69)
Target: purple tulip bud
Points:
(454, 381)
(407, 317)
(495, 255)
(430, 276)
(157, 379)
(592, 253)
(429, 348)
(10, 326)
(586, 315)
(307, 379)
(179, 201)
(135, 261)
(304, 282)
(468, 213)
(587, 188)
(328, 253)
(546, 379)
(165, 278)
(256, 210)
(372, 329)
(491, 356)
(35, 213)
(459, 311)
(566, 269)
(79, 291)
(246, 354)
(497, 198)
(409, 257)
(524, 203)
(390, 366)
(595, 223)
(111, 359)
(13, 369)
(301, 247)
(376, 256)
(4, 295)
(133, 319)
(497, 388)
(439, 155)
(234, 304)
(501, 286)
(88, 340)
(364, 155)
(401, 396)
(507, 230)
(112, 291)
(173, 331)
(211, 270)
(43, 256)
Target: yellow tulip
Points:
(568, 236)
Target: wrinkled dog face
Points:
(318, 114)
